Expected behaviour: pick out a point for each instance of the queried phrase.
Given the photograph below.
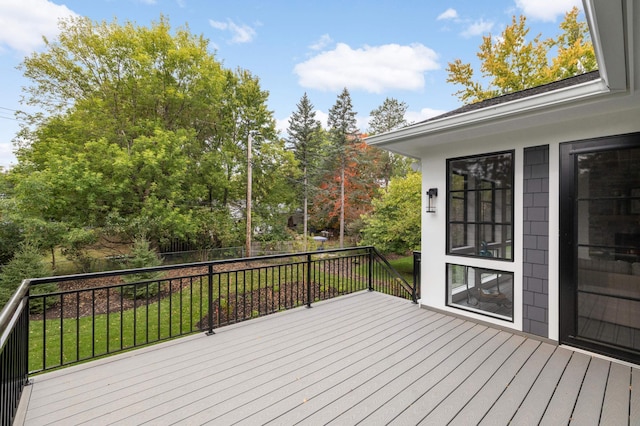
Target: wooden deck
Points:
(366, 358)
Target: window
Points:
(482, 290)
(480, 206)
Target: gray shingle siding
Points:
(535, 278)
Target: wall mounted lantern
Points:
(432, 193)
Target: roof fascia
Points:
(548, 100)
(609, 37)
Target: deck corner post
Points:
(417, 260)
(370, 281)
(210, 297)
(309, 280)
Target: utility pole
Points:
(249, 179)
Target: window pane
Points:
(486, 291)
(457, 236)
(457, 209)
(481, 205)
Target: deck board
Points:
(366, 357)
(468, 389)
(615, 409)
(535, 404)
(509, 402)
(589, 404)
(562, 402)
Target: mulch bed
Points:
(261, 302)
(102, 300)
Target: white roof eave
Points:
(401, 140)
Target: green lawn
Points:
(404, 265)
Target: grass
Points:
(90, 337)
(404, 265)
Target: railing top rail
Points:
(53, 279)
(8, 312)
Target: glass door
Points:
(600, 245)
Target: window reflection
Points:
(481, 290)
(480, 206)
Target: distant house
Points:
(531, 201)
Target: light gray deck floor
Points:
(366, 358)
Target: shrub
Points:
(142, 256)
(26, 263)
(75, 248)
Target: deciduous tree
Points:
(143, 133)
(394, 223)
(514, 61)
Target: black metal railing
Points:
(14, 350)
(417, 259)
(93, 315)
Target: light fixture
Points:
(431, 202)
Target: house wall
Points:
(535, 241)
(531, 298)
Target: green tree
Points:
(144, 132)
(305, 138)
(343, 133)
(26, 263)
(142, 256)
(387, 117)
(514, 62)
(394, 224)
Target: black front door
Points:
(600, 245)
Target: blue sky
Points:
(375, 48)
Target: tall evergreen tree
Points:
(305, 136)
(343, 133)
(387, 117)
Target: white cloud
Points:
(322, 42)
(448, 14)
(477, 28)
(7, 159)
(240, 33)
(24, 23)
(546, 10)
(423, 114)
(322, 117)
(373, 69)
(148, 1)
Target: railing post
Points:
(417, 258)
(370, 286)
(308, 280)
(210, 296)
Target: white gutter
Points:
(541, 102)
